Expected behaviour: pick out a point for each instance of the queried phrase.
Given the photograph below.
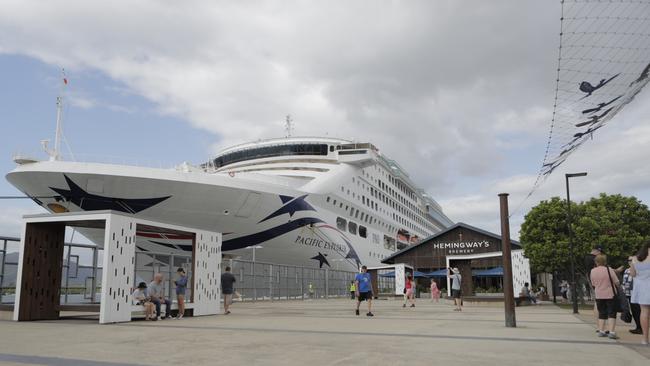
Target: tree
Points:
(617, 223)
(544, 236)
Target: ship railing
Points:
(102, 159)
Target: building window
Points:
(352, 228)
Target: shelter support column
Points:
(207, 273)
(38, 285)
(118, 270)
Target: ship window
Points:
(341, 223)
(328, 199)
(363, 232)
(334, 202)
(270, 151)
(331, 148)
(362, 216)
(352, 228)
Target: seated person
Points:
(156, 291)
(141, 297)
(528, 294)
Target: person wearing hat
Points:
(181, 287)
(141, 297)
(455, 288)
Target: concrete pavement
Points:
(325, 332)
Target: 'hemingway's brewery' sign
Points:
(463, 247)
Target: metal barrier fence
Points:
(268, 281)
(81, 283)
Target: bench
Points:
(138, 310)
(522, 301)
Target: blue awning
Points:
(438, 273)
(492, 272)
(417, 274)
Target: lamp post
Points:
(574, 289)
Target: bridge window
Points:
(341, 223)
(363, 232)
(269, 152)
(352, 228)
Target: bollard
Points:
(508, 291)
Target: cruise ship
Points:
(310, 201)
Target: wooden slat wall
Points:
(42, 271)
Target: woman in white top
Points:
(640, 270)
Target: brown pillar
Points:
(508, 291)
(374, 281)
(40, 287)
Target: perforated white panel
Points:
(118, 269)
(207, 273)
(520, 270)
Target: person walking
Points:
(363, 285)
(156, 291)
(311, 290)
(227, 289)
(456, 294)
(408, 291)
(604, 279)
(181, 287)
(640, 271)
(635, 309)
(435, 292)
(353, 289)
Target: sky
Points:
(460, 93)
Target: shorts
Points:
(606, 308)
(365, 296)
(180, 291)
(455, 294)
(227, 299)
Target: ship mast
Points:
(288, 125)
(55, 154)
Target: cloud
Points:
(459, 93)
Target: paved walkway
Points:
(324, 332)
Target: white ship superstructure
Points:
(311, 201)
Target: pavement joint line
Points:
(431, 336)
(57, 361)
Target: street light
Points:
(254, 247)
(574, 289)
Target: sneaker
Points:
(227, 312)
(602, 334)
(403, 305)
(612, 336)
(357, 312)
(636, 331)
(154, 319)
(412, 305)
(370, 314)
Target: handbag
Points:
(622, 305)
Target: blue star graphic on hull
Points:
(291, 206)
(92, 202)
(321, 260)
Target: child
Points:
(435, 292)
(141, 298)
(181, 286)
